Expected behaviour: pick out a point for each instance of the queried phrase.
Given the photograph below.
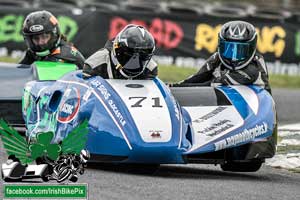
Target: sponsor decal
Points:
(210, 114)
(244, 136)
(116, 111)
(87, 95)
(217, 128)
(134, 85)
(101, 88)
(155, 134)
(107, 98)
(67, 108)
(70, 107)
(36, 28)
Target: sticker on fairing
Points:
(70, 106)
(212, 122)
(244, 136)
(147, 107)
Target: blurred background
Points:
(185, 32)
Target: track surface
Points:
(190, 182)
(287, 105)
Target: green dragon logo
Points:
(26, 152)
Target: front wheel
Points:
(63, 174)
(45, 178)
(251, 166)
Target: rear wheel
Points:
(45, 178)
(74, 178)
(12, 180)
(251, 166)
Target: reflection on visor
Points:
(235, 51)
(136, 62)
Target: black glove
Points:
(173, 84)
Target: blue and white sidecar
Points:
(141, 121)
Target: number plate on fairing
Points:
(147, 107)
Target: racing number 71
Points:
(138, 103)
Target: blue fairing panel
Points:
(141, 121)
(257, 120)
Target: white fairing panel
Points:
(7, 168)
(212, 122)
(37, 169)
(249, 96)
(147, 107)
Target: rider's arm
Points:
(68, 53)
(245, 76)
(205, 74)
(96, 64)
(28, 58)
(151, 70)
(100, 70)
(79, 60)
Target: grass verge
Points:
(174, 74)
(171, 74)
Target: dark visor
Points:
(136, 61)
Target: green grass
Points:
(284, 81)
(173, 74)
(8, 59)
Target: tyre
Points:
(251, 166)
(13, 158)
(12, 180)
(45, 178)
(81, 171)
(74, 178)
(63, 175)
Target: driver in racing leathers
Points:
(45, 43)
(236, 62)
(128, 56)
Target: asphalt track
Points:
(196, 181)
(189, 182)
(287, 105)
(192, 182)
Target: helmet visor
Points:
(136, 63)
(41, 42)
(235, 51)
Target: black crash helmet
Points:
(37, 23)
(237, 44)
(132, 50)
